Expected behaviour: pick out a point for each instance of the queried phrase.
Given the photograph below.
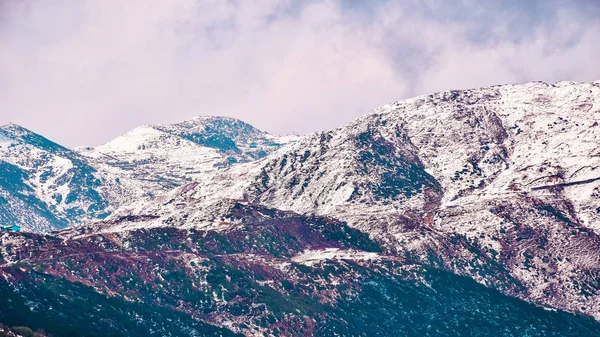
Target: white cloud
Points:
(82, 72)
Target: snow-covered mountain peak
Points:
(46, 186)
(51, 186)
(16, 131)
(13, 131)
(20, 135)
(175, 153)
(501, 184)
(461, 174)
(463, 138)
(11, 127)
(135, 140)
(227, 125)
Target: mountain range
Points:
(467, 212)
(46, 186)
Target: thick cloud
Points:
(84, 71)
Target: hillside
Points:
(45, 186)
(470, 210)
(495, 183)
(273, 273)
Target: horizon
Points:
(85, 72)
(288, 134)
(300, 168)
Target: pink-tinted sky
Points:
(82, 72)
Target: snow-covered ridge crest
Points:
(49, 186)
(458, 143)
(179, 152)
(498, 183)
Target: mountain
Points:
(499, 184)
(445, 214)
(170, 155)
(45, 186)
(267, 272)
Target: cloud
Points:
(84, 71)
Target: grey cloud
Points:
(82, 72)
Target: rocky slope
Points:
(170, 155)
(436, 213)
(45, 186)
(273, 273)
(498, 183)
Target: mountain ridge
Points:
(280, 273)
(446, 177)
(497, 185)
(86, 184)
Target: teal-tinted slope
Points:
(228, 135)
(64, 308)
(18, 202)
(46, 186)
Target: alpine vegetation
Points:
(459, 213)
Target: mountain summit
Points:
(483, 199)
(48, 186)
(498, 183)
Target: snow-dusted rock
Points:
(501, 184)
(45, 186)
(497, 183)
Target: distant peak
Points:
(22, 134)
(15, 129)
(216, 120)
(209, 118)
(228, 125)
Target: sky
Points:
(82, 72)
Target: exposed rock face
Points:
(45, 186)
(500, 185)
(495, 183)
(284, 274)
